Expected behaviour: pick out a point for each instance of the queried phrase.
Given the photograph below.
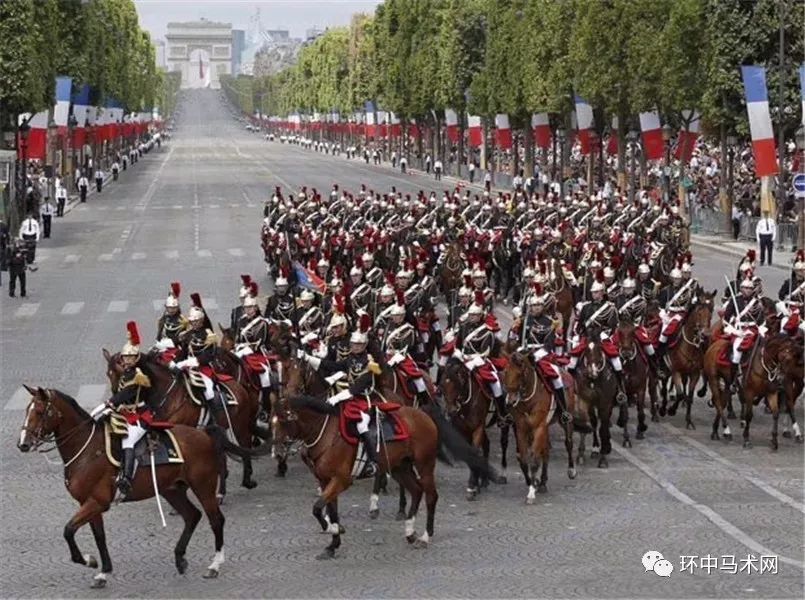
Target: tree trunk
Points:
(528, 143)
(622, 181)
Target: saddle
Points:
(159, 436)
(724, 358)
(195, 388)
(406, 372)
(391, 426)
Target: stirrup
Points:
(565, 417)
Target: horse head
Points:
(43, 417)
(698, 322)
(592, 362)
(114, 369)
(455, 385)
(515, 378)
(280, 337)
(227, 338)
(627, 344)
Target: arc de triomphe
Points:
(201, 51)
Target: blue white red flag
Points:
(308, 279)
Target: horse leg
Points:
(96, 523)
(582, 447)
(540, 449)
(428, 484)
(86, 512)
(374, 499)
(504, 446)
(177, 498)
(663, 385)
(401, 506)
(702, 390)
(223, 474)
(689, 400)
(571, 466)
(594, 424)
(623, 422)
(216, 518)
(774, 405)
(472, 484)
(794, 425)
(676, 387)
(407, 479)
(247, 480)
(606, 442)
(746, 415)
(484, 482)
(328, 496)
(652, 394)
(641, 412)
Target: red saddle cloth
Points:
(214, 375)
(406, 372)
(609, 347)
(394, 428)
(147, 418)
(256, 362)
(724, 358)
(167, 356)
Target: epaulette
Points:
(140, 379)
(211, 339)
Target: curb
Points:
(727, 250)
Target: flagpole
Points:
(294, 290)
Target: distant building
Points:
(277, 35)
(161, 56)
(238, 45)
(312, 33)
(201, 51)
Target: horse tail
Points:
(453, 442)
(223, 445)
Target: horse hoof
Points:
(709, 403)
(627, 443)
(411, 538)
(690, 425)
(400, 516)
(714, 436)
(798, 439)
(580, 459)
(250, 484)
(530, 501)
(622, 422)
(571, 473)
(655, 419)
(662, 411)
(603, 463)
(640, 435)
(484, 483)
(747, 444)
(786, 434)
(420, 544)
(181, 564)
(211, 574)
(472, 495)
(774, 446)
(542, 488)
(727, 436)
(326, 554)
(220, 500)
(98, 584)
(280, 472)
(91, 562)
(593, 453)
(671, 411)
(374, 513)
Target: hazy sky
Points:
(294, 15)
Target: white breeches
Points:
(648, 349)
(419, 384)
(265, 378)
(736, 353)
(667, 319)
(574, 360)
(133, 436)
(363, 424)
(616, 363)
(478, 361)
(209, 387)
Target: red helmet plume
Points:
(365, 322)
(340, 304)
(599, 276)
(176, 289)
(253, 289)
(479, 298)
(246, 279)
(751, 255)
(400, 297)
(134, 334)
(467, 281)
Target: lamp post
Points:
(560, 135)
(53, 137)
(667, 134)
(632, 138)
(800, 139)
(72, 123)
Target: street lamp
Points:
(667, 134)
(632, 138)
(72, 123)
(560, 135)
(23, 130)
(800, 140)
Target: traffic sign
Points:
(799, 185)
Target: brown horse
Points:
(173, 404)
(761, 380)
(635, 374)
(686, 356)
(90, 476)
(793, 370)
(530, 401)
(410, 462)
(561, 296)
(597, 387)
(450, 272)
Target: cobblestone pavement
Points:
(191, 212)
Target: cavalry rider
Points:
(459, 310)
(308, 317)
(479, 285)
(336, 338)
(360, 369)
(374, 275)
(478, 342)
(674, 300)
(237, 312)
(196, 349)
(647, 286)
(280, 305)
(632, 308)
(599, 316)
(131, 401)
(251, 338)
(398, 342)
(792, 297)
(171, 324)
(743, 320)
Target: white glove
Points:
(188, 363)
(164, 344)
(458, 354)
(396, 359)
(335, 377)
(309, 338)
(339, 397)
(100, 411)
(300, 354)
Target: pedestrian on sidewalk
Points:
(736, 221)
(427, 163)
(15, 259)
(29, 233)
(517, 182)
(46, 212)
(89, 167)
(61, 200)
(766, 235)
(115, 170)
(99, 179)
(488, 182)
(77, 179)
(437, 169)
(403, 164)
(125, 161)
(3, 248)
(471, 168)
(83, 188)
(394, 160)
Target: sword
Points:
(156, 487)
(732, 295)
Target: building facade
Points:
(201, 51)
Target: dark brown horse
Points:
(52, 416)
(530, 403)
(635, 374)
(793, 370)
(411, 462)
(561, 296)
(597, 387)
(450, 271)
(172, 403)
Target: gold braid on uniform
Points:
(139, 379)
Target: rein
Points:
(521, 396)
(56, 440)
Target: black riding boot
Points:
(371, 455)
(423, 398)
(216, 406)
(504, 418)
(659, 359)
(735, 375)
(621, 397)
(127, 474)
(565, 415)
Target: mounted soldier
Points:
(172, 323)
(251, 341)
(237, 312)
(743, 320)
(280, 305)
(674, 300)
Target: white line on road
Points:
(72, 308)
(90, 396)
(19, 400)
(72, 258)
(117, 250)
(715, 518)
(213, 206)
(173, 254)
(105, 257)
(27, 310)
(203, 253)
(138, 256)
(235, 251)
(740, 470)
(118, 306)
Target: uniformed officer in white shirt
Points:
(99, 179)
(46, 211)
(766, 235)
(83, 188)
(29, 233)
(61, 200)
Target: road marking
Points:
(118, 306)
(235, 205)
(90, 396)
(117, 250)
(235, 251)
(72, 308)
(173, 254)
(105, 257)
(27, 310)
(19, 400)
(204, 254)
(138, 256)
(177, 207)
(72, 258)
(120, 208)
(739, 469)
(715, 518)
(213, 206)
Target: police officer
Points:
(17, 265)
(47, 211)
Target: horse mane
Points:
(317, 404)
(83, 414)
(151, 366)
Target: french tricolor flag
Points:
(451, 120)
(757, 105)
(584, 120)
(541, 127)
(651, 129)
(476, 133)
(61, 110)
(503, 131)
(802, 90)
(371, 119)
(687, 136)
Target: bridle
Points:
(49, 411)
(521, 395)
